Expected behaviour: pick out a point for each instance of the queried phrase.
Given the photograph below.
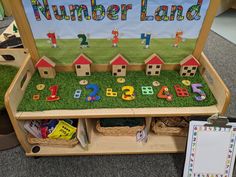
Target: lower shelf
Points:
(119, 145)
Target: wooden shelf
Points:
(126, 112)
(119, 145)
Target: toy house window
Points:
(158, 66)
(115, 74)
(150, 66)
(45, 72)
(185, 68)
(149, 73)
(87, 73)
(123, 67)
(194, 68)
(184, 74)
(157, 72)
(119, 70)
(78, 66)
(192, 74)
(189, 71)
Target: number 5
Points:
(202, 95)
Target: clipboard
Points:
(211, 148)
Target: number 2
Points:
(83, 39)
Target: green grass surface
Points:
(7, 74)
(101, 50)
(69, 82)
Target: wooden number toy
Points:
(36, 97)
(181, 92)
(147, 90)
(186, 82)
(128, 95)
(110, 93)
(40, 87)
(93, 95)
(202, 95)
(53, 96)
(83, 39)
(77, 94)
(165, 94)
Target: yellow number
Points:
(128, 95)
(110, 93)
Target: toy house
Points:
(46, 68)
(153, 65)
(119, 65)
(82, 65)
(189, 66)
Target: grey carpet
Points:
(14, 163)
(3, 24)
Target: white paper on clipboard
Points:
(210, 151)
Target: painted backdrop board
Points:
(92, 22)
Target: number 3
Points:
(129, 94)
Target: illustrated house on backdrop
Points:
(189, 66)
(153, 65)
(83, 65)
(46, 68)
(119, 65)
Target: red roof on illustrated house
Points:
(82, 60)
(119, 60)
(190, 61)
(45, 62)
(154, 60)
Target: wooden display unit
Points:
(102, 144)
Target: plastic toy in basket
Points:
(63, 130)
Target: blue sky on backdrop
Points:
(131, 28)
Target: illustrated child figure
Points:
(53, 40)
(146, 39)
(178, 38)
(115, 39)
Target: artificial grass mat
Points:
(7, 73)
(69, 82)
(100, 51)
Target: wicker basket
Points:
(119, 131)
(52, 142)
(174, 126)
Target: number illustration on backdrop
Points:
(115, 39)
(146, 39)
(83, 40)
(53, 39)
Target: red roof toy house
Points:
(119, 65)
(189, 66)
(46, 68)
(153, 65)
(83, 65)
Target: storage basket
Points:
(119, 130)
(174, 126)
(52, 142)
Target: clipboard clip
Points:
(218, 121)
